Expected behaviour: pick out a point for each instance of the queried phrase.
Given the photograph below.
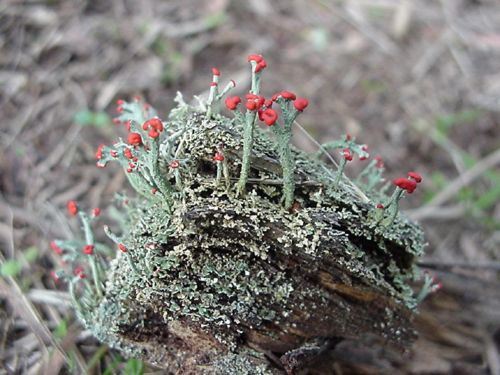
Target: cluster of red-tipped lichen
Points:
(259, 107)
(263, 106)
(139, 154)
(68, 249)
(258, 103)
(403, 185)
(153, 127)
(60, 248)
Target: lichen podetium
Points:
(234, 230)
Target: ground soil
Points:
(418, 81)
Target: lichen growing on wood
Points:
(208, 278)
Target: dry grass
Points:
(417, 80)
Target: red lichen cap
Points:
(415, 176)
(379, 205)
(259, 113)
(80, 272)
(98, 153)
(134, 139)
(55, 248)
(174, 164)
(259, 60)
(288, 95)
(128, 153)
(259, 99)
(347, 154)
(269, 116)
(55, 276)
(379, 162)
(260, 65)
(251, 105)
(88, 249)
(405, 184)
(300, 104)
(254, 102)
(96, 212)
(153, 123)
(72, 207)
(218, 156)
(255, 57)
(232, 102)
(215, 72)
(365, 155)
(153, 133)
(122, 248)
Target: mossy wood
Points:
(238, 284)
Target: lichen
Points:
(200, 252)
(200, 261)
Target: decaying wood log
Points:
(235, 285)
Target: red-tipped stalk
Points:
(218, 159)
(346, 156)
(431, 285)
(222, 166)
(403, 185)
(96, 212)
(150, 173)
(123, 249)
(174, 167)
(258, 63)
(214, 88)
(89, 250)
(284, 136)
(371, 175)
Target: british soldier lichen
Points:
(218, 197)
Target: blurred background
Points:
(418, 81)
